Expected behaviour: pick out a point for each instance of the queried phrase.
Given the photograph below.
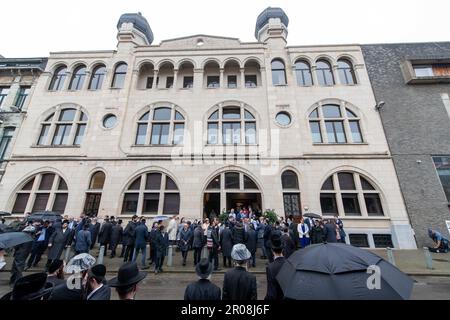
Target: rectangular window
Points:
(22, 95)
(356, 131)
(188, 82)
(213, 133)
(359, 240)
(3, 93)
(250, 133)
(304, 78)
(130, 203)
(40, 202)
(328, 203)
(80, 134)
(291, 204)
(232, 180)
(178, 133)
(43, 135)
(46, 181)
(119, 80)
(153, 181)
(151, 203)
(21, 203)
(160, 133)
(373, 204)
(141, 134)
(231, 132)
(335, 132)
(383, 241)
(149, 83)
(315, 132)
(251, 81)
(351, 204)
(346, 181)
(169, 82)
(442, 165)
(423, 71)
(278, 77)
(171, 203)
(60, 203)
(4, 143)
(213, 81)
(61, 134)
(232, 82)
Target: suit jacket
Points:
(330, 233)
(288, 245)
(129, 233)
(185, 239)
(62, 292)
(94, 229)
(203, 289)
(59, 240)
(198, 237)
(116, 235)
(141, 233)
(104, 293)
(252, 240)
(226, 240)
(238, 284)
(104, 235)
(83, 242)
(274, 291)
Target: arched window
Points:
(346, 72)
(350, 194)
(278, 73)
(333, 123)
(324, 73)
(59, 76)
(94, 194)
(97, 77)
(291, 193)
(161, 126)
(97, 181)
(64, 127)
(42, 192)
(152, 193)
(119, 76)
(303, 73)
(77, 81)
(237, 124)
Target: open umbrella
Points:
(12, 239)
(160, 218)
(336, 271)
(79, 263)
(4, 213)
(45, 215)
(312, 215)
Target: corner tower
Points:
(272, 26)
(133, 29)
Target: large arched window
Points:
(324, 73)
(59, 76)
(332, 123)
(350, 194)
(291, 193)
(77, 81)
(43, 192)
(97, 77)
(160, 126)
(64, 127)
(303, 73)
(237, 124)
(94, 194)
(278, 72)
(346, 72)
(152, 193)
(119, 76)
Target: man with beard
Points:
(97, 287)
(59, 240)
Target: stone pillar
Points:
(155, 77)
(175, 79)
(221, 81)
(242, 70)
(335, 71)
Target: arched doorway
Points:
(231, 189)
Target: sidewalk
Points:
(411, 262)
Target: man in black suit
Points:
(94, 228)
(274, 291)
(238, 283)
(104, 236)
(203, 289)
(96, 284)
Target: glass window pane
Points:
(231, 113)
(214, 184)
(314, 114)
(330, 132)
(346, 181)
(178, 116)
(277, 64)
(232, 180)
(328, 184)
(283, 119)
(212, 133)
(291, 203)
(169, 82)
(162, 114)
(423, 71)
(232, 82)
(373, 204)
(231, 132)
(248, 115)
(250, 133)
(109, 121)
(188, 82)
(62, 184)
(171, 203)
(383, 241)
(315, 132)
(178, 133)
(213, 81)
(356, 132)
(289, 180)
(60, 203)
(141, 134)
(359, 240)
(165, 134)
(121, 67)
(80, 134)
(170, 184)
(366, 185)
(278, 77)
(40, 202)
(442, 165)
(340, 133)
(156, 134)
(28, 185)
(145, 117)
(331, 111)
(351, 204)
(153, 181)
(150, 203)
(21, 203)
(46, 181)
(98, 180)
(250, 81)
(119, 80)
(136, 185)
(149, 83)
(328, 203)
(350, 114)
(214, 116)
(67, 115)
(130, 203)
(249, 183)
(83, 116)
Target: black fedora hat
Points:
(204, 268)
(275, 242)
(31, 287)
(128, 275)
(97, 272)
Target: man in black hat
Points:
(203, 289)
(104, 236)
(56, 272)
(161, 245)
(129, 234)
(96, 285)
(127, 280)
(31, 287)
(58, 241)
(274, 291)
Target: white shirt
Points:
(300, 230)
(94, 291)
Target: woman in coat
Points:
(185, 240)
(226, 242)
(58, 241)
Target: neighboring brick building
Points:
(261, 124)
(414, 82)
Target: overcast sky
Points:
(37, 27)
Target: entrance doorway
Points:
(92, 204)
(240, 200)
(211, 205)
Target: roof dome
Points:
(267, 14)
(139, 22)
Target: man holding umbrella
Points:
(274, 291)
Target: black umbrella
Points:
(44, 215)
(312, 215)
(4, 213)
(336, 271)
(12, 239)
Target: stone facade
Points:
(417, 127)
(193, 165)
